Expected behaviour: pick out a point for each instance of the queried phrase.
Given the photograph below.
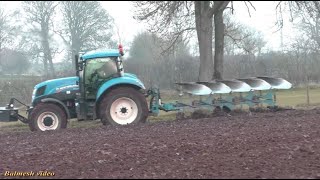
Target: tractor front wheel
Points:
(122, 106)
(46, 116)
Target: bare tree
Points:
(239, 37)
(3, 27)
(13, 62)
(307, 42)
(86, 26)
(7, 31)
(296, 9)
(253, 41)
(309, 28)
(157, 68)
(174, 18)
(39, 15)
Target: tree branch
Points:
(247, 8)
(177, 36)
(252, 5)
(218, 6)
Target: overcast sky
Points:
(263, 19)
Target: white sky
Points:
(123, 12)
(263, 19)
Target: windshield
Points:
(100, 68)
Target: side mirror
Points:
(79, 65)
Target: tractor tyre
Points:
(47, 116)
(122, 106)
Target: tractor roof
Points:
(101, 54)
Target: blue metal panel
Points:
(126, 79)
(101, 54)
(58, 85)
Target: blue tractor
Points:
(100, 90)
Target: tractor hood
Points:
(55, 86)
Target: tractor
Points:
(100, 90)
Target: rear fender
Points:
(124, 80)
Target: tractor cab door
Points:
(96, 72)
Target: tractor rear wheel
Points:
(122, 106)
(47, 116)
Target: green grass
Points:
(163, 116)
(296, 98)
(16, 126)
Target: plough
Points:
(252, 92)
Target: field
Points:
(281, 144)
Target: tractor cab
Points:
(96, 67)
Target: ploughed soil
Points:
(281, 144)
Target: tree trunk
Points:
(48, 56)
(47, 51)
(73, 54)
(75, 48)
(204, 32)
(219, 45)
(45, 67)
